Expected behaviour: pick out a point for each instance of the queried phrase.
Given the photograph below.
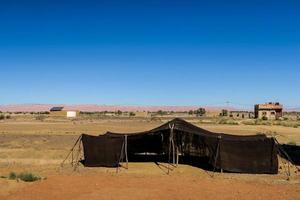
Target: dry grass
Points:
(40, 147)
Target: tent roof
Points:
(179, 124)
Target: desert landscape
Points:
(34, 146)
(149, 100)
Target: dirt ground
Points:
(39, 147)
(128, 187)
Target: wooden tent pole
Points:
(77, 157)
(173, 145)
(72, 149)
(217, 154)
(285, 153)
(126, 154)
(177, 156)
(170, 143)
(121, 157)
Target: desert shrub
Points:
(2, 117)
(161, 112)
(131, 114)
(27, 177)
(12, 176)
(119, 112)
(200, 112)
(8, 116)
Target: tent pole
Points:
(287, 171)
(126, 154)
(286, 154)
(170, 146)
(217, 154)
(77, 157)
(121, 157)
(72, 149)
(72, 158)
(173, 145)
(177, 156)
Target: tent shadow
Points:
(162, 161)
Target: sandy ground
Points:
(39, 147)
(182, 183)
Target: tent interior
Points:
(178, 141)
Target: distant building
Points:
(268, 110)
(61, 112)
(143, 114)
(241, 114)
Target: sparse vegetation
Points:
(119, 112)
(12, 176)
(27, 177)
(2, 117)
(200, 112)
(131, 114)
(224, 113)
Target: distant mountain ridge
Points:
(99, 108)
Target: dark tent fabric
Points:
(245, 154)
(293, 152)
(101, 150)
(251, 156)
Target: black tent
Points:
(101, 151)
(292, 153)
(178, 138)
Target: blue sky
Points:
(154, 53)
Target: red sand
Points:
(151, 187)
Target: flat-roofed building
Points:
(241, 114)
(268, 110)
(61, 112)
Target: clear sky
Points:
(154, 53)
